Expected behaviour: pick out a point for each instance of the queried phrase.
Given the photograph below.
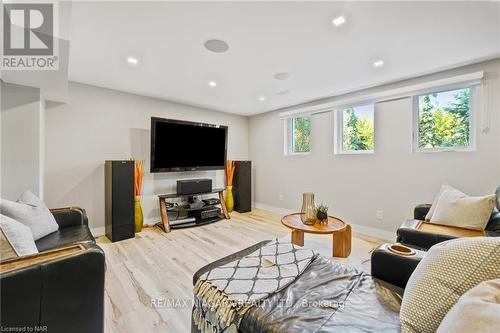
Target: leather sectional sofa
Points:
(60, 289)
(408, 232)
(397, 269)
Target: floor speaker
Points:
(242, 186)
(119, 199)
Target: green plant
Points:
(322, 212)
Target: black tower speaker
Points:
(242, 186)
(119, 200)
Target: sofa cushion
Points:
(65, 237)
(447, 271)
(444, 187)
(456, 209)
(32, 212)
(18, 235)
(478, 310)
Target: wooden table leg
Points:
(164, 217)
(342, 242)
(223, 206)
(297, 237)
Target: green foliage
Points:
(322, 212)
(358, 133)
(301, 134)
(446, 126)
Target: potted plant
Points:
(322, 213)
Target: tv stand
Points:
(165, 224)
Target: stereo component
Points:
(203, 214)
(187, 220)
(194, 186)
(211, 201)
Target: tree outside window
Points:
(358, 131)
(444, 119)
(301, 135)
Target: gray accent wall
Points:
(393, 179)
(100, 124)
(22, 140)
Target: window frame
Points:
(416, 121)
(289, 138)
(339, 131)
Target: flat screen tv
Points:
(178, 145)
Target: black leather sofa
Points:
(61, 289)
(408, 233)
(397, 269)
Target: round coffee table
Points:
(340, 230)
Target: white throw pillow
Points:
(32, 212)
(456, 209)
(18, 235)
(444, 188)
(448, 271)
(478, 310)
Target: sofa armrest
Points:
(70, 216)
(420, 211)
(408, 233)
(62, 290)
(394, 268)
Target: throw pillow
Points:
(444, 188)
(454, 208)
(32, 212)
(448, 271)
(18, 235)
(478, 310)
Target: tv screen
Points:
(185, 146)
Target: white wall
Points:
(22, 140)
(393, 179)
(100, 124)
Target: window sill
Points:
(444, 150)
(355, 152)
(298, 154)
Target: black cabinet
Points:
(242, 186)
(119, 199)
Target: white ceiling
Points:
(269, 37)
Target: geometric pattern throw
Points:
(226, 292)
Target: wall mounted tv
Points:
(178, 145)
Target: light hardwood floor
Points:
(149, 278)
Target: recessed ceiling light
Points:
(282, 76)
(262, 98)
(378, 63)
(338, 21)
(283, 92)
(212, 83)
(132, 60)
(216, 45)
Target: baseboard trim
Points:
(101, 231)
(385, 235)
(152, 221)
(98, 231)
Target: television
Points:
(178, 145)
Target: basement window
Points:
(356, 130)
(298, 136)
(443, 121)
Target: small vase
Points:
(308, 212)
(229, 199)
(139, 218)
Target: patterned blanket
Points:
(225, 293)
